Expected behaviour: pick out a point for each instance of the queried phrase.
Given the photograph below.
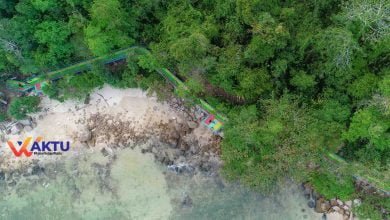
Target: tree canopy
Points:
(312, 77)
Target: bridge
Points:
(213, 120)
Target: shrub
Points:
(20, 107)
(332, 186)
(73, 86)
(51, 91)
(3, 116)
(367, 211)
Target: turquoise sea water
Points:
(133, 186)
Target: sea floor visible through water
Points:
(133, 186)
(124, 183)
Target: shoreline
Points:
(116, 120)
(128, 111)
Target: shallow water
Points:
(133, 186)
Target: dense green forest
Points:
(297, 79)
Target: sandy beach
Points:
(66, 121)
(131, 157)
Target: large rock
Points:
(192, 124)
(25, 122)
(322, 205)
(186, 201)
(357, 202)
(16, 128)
(333, 202)
(2, 176)
(334, 216)
(84, 135)
(307, 190)
(37, 170)
(311, 203)
(336, 208)
(173, 154)
(106, 151)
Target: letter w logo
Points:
(23, 149)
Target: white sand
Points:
(140, 182)
(62, 121)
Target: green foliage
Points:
(21, 106)
(384, 86)
(332, 110)
(3, 116)
(74, 87)
(54, 38)
(336, 49)
(367, 211)
(253, 83)
(44, 5)
(125, 79)
(364, 86)
(371, 207)
(314, 74)
(370, 124)
(108, 26)
(262, 151)
(148, 62)
(268, 37)
(195, 86)
(332, 186)
(303, 81)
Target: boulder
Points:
(16, 128)
(336, 208)
(173, 142)
(28, 128)
(84, 135)
(322, 205)
(25, 122)
(311, 204)
(307, 190)
(192, 124)
(2, 176)
(37, 170)
(104, 152)
(172, 154)
(186, 201)
(333, 202)
(357, 202)
(334, 216)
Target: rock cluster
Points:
(16, 127)
(365, 187)
(190, 114)
(35, 173)
(329, 207)
(173, 143)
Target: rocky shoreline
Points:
(178, 141)
(333, 208)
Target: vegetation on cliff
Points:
(298, 79)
